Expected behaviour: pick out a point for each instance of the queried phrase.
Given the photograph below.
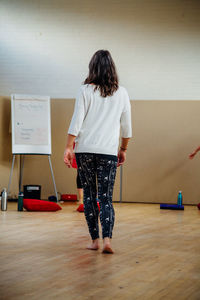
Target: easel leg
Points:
(54, 183)
(21, 171)
(11, 173)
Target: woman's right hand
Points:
(121, 157)
(68, 156)
(192, 154)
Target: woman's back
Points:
(100, 119)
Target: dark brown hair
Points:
(102, 73)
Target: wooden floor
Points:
(157, 255)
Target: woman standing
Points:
(102, 108)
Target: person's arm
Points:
(194, 152)
(122, 151)
(124, 144)
(74, 128)
(68, 154)
(126, 131)
(78, 115)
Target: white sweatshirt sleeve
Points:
(78, 115)
(126, 125)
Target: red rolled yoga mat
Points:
(68, 197)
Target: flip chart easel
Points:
(31, 131)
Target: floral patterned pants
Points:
(97, 173)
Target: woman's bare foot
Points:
(94, 245)
(107, 246)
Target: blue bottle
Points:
(180, 198)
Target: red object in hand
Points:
(68, 197)
(74, 164)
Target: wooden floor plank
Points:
(43, 255)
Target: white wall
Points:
(46, 45)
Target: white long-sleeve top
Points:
(96, 120)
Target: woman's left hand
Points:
(121, 158)
(192, 155)
(68, 156)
